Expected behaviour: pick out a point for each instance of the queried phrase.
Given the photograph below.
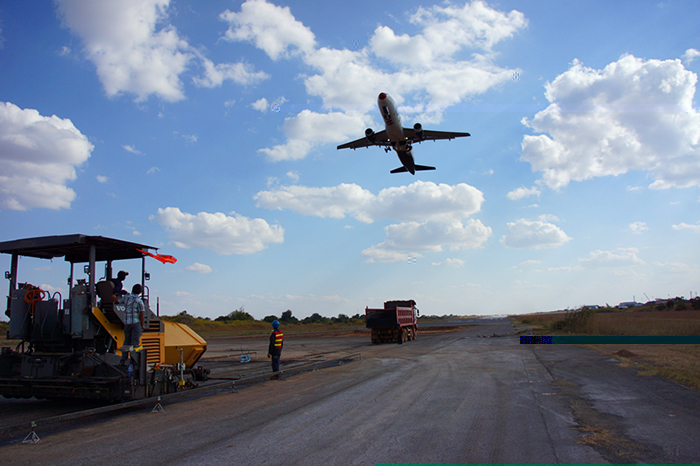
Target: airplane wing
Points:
(380, 139)
(429, 135)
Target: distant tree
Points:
(238, 314)
(270, 318)
(315, 318)
(341, 319)
(287, 318)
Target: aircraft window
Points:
(386, 110)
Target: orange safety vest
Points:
(278, 339)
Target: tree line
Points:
(285, 318)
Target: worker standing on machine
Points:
(274, 351)
(133, 320)
(118, 284)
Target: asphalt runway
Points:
(444, 398)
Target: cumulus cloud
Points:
(135, 50)
(38, 158)
(308, 129)
(450, 263)
(634, 114)
(432, 214)
(261, 105)
(271, 28)
(523, 192)
(102, 179)
(690, 55)
(618, 257)
(686, 226)
(199, 268)
(410, 239)
(239, 73)
(121, 39)
(536, 234)
(638, 227)
(132, 149)
(418, 201)
(218, 232)
(445, 31)
(426, 66)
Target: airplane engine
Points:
(369, 134)
(418, 128)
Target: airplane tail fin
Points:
(424, 167)
(399, 170)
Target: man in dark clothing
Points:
(118, 284)
(274, 351)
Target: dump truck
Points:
(73, 346)
(397, 322)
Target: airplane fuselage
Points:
(395, 136)
(394, 131)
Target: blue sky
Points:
(209, 130)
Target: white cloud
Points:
(450, 263)
(419, 201)
(577, 268)
(121, 39)
(271, 28)
(618, 257)
(426, 66)
(309, 129)
(261, 105)
(633, 115)
(686, 226)
(199, 268)
(537, 234)
(218, 232)
(523, 192)
(690, 55)
(432, 214)
(152, 170)
(239, 73)
(38, 157)
(410, 239)
(445, 31)
(638, 227)
(102, 179)
(293, 175)
(132, 149)
(136, 50)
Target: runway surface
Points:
(444, 398)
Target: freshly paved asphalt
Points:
(444, 398)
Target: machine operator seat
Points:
(105, 290)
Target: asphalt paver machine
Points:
(71, 347)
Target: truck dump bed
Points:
(395, 322)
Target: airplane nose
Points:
(382, 96)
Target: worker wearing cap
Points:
(118, 283)
(274, 351)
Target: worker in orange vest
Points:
(274, 351)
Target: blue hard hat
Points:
(275, 324)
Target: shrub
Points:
(574, 321)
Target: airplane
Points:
(399, 138)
